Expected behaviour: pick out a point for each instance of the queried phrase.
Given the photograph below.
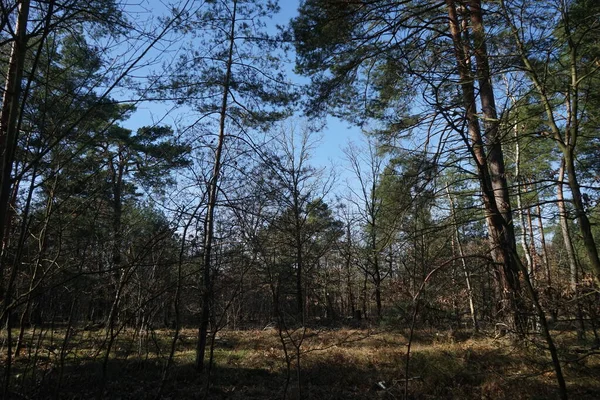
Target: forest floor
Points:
(335, 364)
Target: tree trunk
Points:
(533, 251)
(524, 244)
(213, 187)
(378, 292)
(9, 116)
(348, 265)
(585, 227)
(490, 168)
(118, 273)
(544, 247)
(564, 227)
(300, 309)
(571, 256)
(461, 253)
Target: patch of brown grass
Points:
(334, 364)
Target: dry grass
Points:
(335, 364)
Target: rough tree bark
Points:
(490, 166)
(9, 114)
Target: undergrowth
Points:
(335, 364)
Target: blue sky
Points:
(334, 136)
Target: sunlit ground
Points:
(334, 364)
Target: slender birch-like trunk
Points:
(213, 187)
(461, 253)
